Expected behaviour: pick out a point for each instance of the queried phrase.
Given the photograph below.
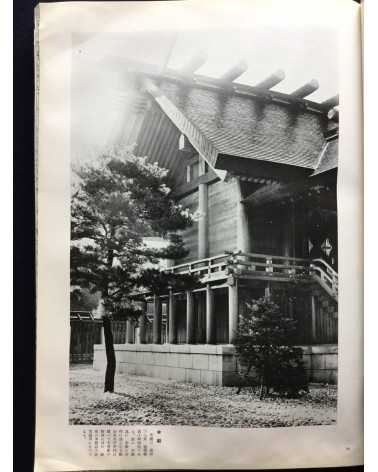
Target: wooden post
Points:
(130, 332)
(293, 234)
(172, 335)
(210, 332)
(287, 239)
(203, 245)
(189, 317)
(313, 318)
(142, 323)
(156, 328)
(233, 311)
(201, 320)
(242, 227)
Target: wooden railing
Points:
(209, 268)
(241, 263)
(261, 266)
(268, 265)
(77, 315)
(325, 275)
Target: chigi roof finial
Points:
(236, 71)
(197, 61)
(331, 102)
(306, 89)
(274, 79)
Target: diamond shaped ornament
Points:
(327, 247)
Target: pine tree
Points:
(116, 202)
(266, 351)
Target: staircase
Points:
(326, 276)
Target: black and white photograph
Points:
(204, 228)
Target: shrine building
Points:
(258, 168)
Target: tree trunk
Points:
(244, 378)
(110, 355)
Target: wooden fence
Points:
(84, 334)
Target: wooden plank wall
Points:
(222, 217)
(267, 233)
(181, 321)
(326, 318)
(221, 316)
(326, 313)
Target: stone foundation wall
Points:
(203, 364)
(321, 362)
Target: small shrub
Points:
(266, 352)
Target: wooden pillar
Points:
(203, 244)
(287, 233)
(189, 317)
(172, 333)
(166, 330)
(201, 318)
(293, 228)
(242, 228)
(313, 318)
(210, 321)
(142, 323)
(156, 325)
(233, 311)
(130, 332)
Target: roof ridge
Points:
(190, 77)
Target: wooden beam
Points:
(277, 192)
(185, 147)
(306, 89)
(272, 80)
(190, 187)
(236, 71)
(331, 102)
(333, 114)
(194, 63)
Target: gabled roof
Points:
(223, 120)
(246, 127)
(328, 158)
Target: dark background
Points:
(24, 240)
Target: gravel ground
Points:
(143, 400)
